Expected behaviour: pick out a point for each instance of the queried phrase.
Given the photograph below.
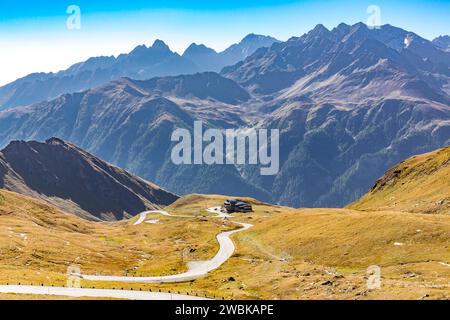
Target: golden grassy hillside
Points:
(329, 250)
(288, 254)
(419, 184)
(39, 242)
(325, 253)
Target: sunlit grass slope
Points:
(39, 243)
(419, 184)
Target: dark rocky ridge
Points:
(75, 181)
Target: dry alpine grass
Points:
(420, 184)
(38, 243)
(288, 254)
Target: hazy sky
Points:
(34, 36)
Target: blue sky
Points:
(34, 36)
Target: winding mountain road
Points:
(196, 269)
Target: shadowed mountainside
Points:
(77, 182)
(350, 103)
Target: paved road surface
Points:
(142, 217)
(95, 293)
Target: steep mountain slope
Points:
(350, 103)
(130, 123)
(75, 181)
(202, 86)
(419, 184)
(331, 155)
(208, 59)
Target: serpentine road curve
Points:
(196, 269)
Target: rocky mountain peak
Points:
(160, 45)
(319, 30)
(197, 49)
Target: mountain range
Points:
(141, 63)
(349, 102)
(73, 180)
(129, 123)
